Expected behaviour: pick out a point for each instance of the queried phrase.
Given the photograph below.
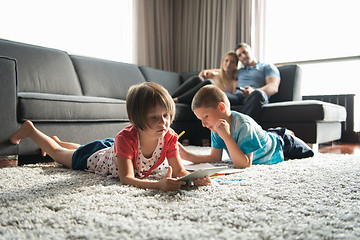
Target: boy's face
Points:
(209, 116)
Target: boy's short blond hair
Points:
(209, 96)
(142, 98)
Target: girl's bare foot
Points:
(176, 100)
(23, 132)
(56, 139)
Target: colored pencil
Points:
(182, 133)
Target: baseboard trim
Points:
(8, 161)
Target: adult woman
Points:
(225, 78)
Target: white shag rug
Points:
(315, 198)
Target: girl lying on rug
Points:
(136, 151)
(244, 140)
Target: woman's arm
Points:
(209, 73)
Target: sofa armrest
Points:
(8, 100)
(290, 84)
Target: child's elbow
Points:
(243, 164)
(214, 160)
(125, 181)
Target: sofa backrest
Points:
(187, 75)
(169, 80)
(42, 70)
(290, 84)
(104, 78)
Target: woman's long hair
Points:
(223, 80)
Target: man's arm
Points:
(270, 88)
(272, 85)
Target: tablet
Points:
(201, 173)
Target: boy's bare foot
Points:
(23, 132)
(287, 131)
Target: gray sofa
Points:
(81, 99)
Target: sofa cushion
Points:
(303, 111)
(41, 69)
(311, 132)
(40, 107)
(184, 113)
(169, 80)
(187, 75)
(104, 78)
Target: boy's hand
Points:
(202, 181)
(168, 183)
(222, 127)
(182, 151)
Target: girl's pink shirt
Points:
(126, 145)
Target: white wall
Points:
(96, 28)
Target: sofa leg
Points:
(7, 161)
(314, 147)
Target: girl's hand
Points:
(168, 183)
(222, 127)
(202, 181)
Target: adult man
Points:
(257, 81)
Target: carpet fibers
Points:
(314, 198)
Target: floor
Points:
(341, 148)
(335, 148)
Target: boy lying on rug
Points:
(244, 140)
(136, 151)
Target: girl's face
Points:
(158, 120)
(229, 63)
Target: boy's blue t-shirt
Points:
(256, 76)
(251, 138)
